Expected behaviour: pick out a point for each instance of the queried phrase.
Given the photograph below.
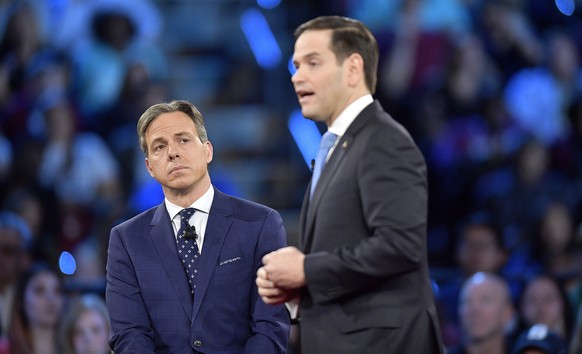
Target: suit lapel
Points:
(216, 231)
(328, 172)
(163, 238)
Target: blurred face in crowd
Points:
(532, 163)
(43, 299)
(479, 251)
(32, 213)
(542, 303)
(485, 308)
(556, 229)
(177, 158)
(12, 256)
(90, 333)
(321, 82)
(562, 56)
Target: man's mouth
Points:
(176, 169)
(304, 95)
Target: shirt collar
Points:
(349, 114)
(202, 204)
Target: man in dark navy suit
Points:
(206, 302)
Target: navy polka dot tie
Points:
(188, 247)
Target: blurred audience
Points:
(487, 316)
(80, 167)
(544, 302)
(15, 240)
(576, 341)
(519, 192)
(85, 327)
(101, 62)
(38, 305)
(559, 247)
(30, 206)
(90, 255)
(539, 339)
(510, 37)
(538, 97)
(480, 248)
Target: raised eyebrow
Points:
(307, 56)
(157, 140)
(182, 135)
(312, 55)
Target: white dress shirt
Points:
(199, 219)
(346, 117)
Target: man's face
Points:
(479, 252)
(320, 81)
(177, 158)
(484, 311)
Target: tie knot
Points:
(327, 140)
(185, 214)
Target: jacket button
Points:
(197, 343)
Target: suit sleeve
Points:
(392, 202)
(130, 324)
(270, 324)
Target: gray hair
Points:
(175, 106)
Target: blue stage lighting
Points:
(67, 263)
(305, 134)
(268, 4)
(291, 67)
(260, 38)
(566, 7)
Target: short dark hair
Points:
(175, 106)
(349, 36)
(483, 220)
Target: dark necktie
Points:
(327, 141)
(188, 247)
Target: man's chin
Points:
(309, 114)
(179, 184)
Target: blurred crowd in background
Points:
(491, 90)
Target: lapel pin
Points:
(345, 144)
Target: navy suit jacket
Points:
(149, 298)
(364, 234)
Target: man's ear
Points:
(209, 151)
(148, 167)
(355, 69)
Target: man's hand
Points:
(281, 276)
(284, 267)
(271, 294)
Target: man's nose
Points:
(172, 152)
(297, 76)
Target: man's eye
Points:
(183, 141)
